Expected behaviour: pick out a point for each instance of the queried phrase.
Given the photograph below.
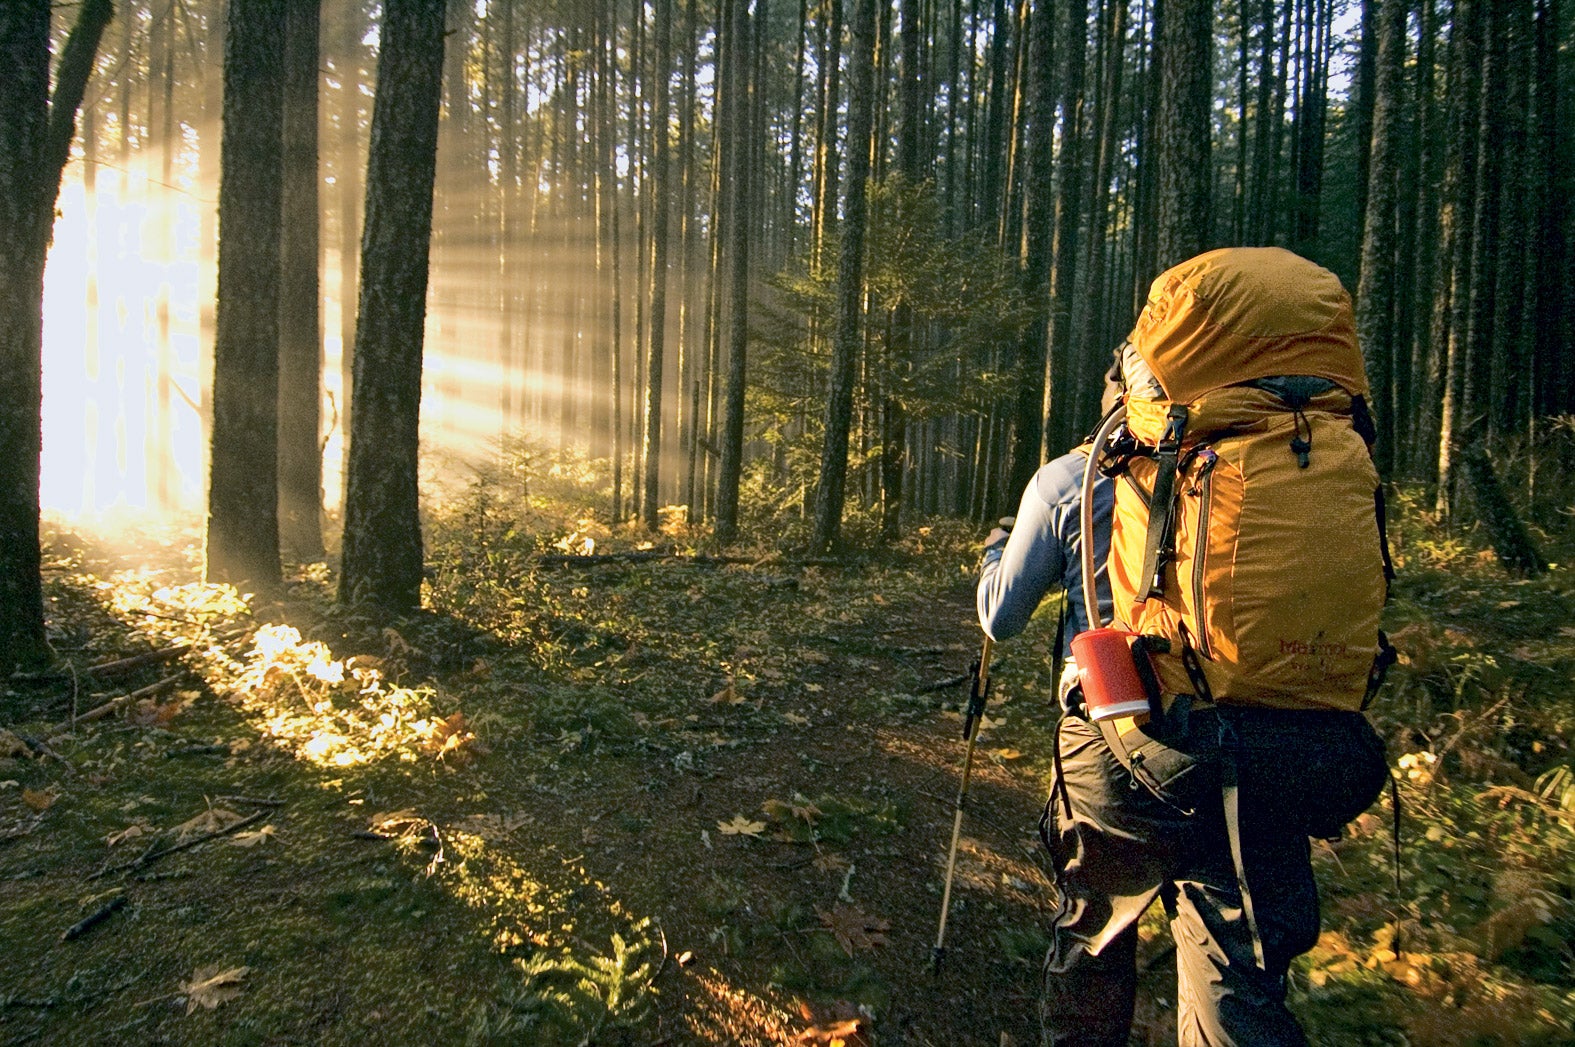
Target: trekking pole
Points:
(977, 696)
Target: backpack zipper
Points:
(1204, 488)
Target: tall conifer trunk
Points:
(382, 561)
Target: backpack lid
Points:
(1239, 313)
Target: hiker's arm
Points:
(1017, 573)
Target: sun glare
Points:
(128, 354)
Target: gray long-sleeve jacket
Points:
(1044, 551)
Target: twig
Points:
(152, 689)
(252, 801)
(104, 670)
(93, 919)
(43, 749)
(955, 681)
(149, 856)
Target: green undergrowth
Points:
(699, 798)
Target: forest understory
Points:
(668, 793)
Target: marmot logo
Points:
(1318, 650)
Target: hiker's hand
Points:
(1002, 532)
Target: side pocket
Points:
(1178, 779)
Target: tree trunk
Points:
(661, 205)
(243, 489)
(1062, 392)
(830, 493)
(300, 329)
(35, 141)
(1375, 298)
(1451, 304)
(1029, 410)
(740, 178)
(348, 196)
(1185, 167)
(382, 562)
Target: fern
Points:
(565, 999)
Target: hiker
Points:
(1257, 605)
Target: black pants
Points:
(1300, 774)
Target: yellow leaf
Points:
(39, 801)
(130, 832)
(214, 819)
(1008, 754)
(209, 986)
(727, 695)
(741, 826)
(253, 838)
(795, 719)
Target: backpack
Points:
(1247, 542)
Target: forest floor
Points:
(672, 800)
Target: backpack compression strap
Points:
(1162, 505)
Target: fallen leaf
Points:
(741, 826)
(398, 823)
(825, 861)
(11, 745)
(130, 832)
(813, 688)
(685, 958)
(727, 695)
(795, 719)
(39, 801)
(491, 826)
(253, 837)
(853, 930)
(834, 1035)
(448, 737)
(210, 986)
(214, 819)
(1007, 754)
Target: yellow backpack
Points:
(1247, 533)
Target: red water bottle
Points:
(1107, 669)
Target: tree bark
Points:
(243, 489)
(1062, 393)
(830, 493)
(382, 561)
(1185, 166)
(739, 155)
(300, 327)
(661, 206)
(1375, 298)
(35, 142)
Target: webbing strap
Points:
(1381, 512)
(1232, 798)
(1386, 656)
(1162, 505)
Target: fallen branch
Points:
(1505, 793)
(154, 852)
(106, 670)
(152, 689)
(93, 919)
